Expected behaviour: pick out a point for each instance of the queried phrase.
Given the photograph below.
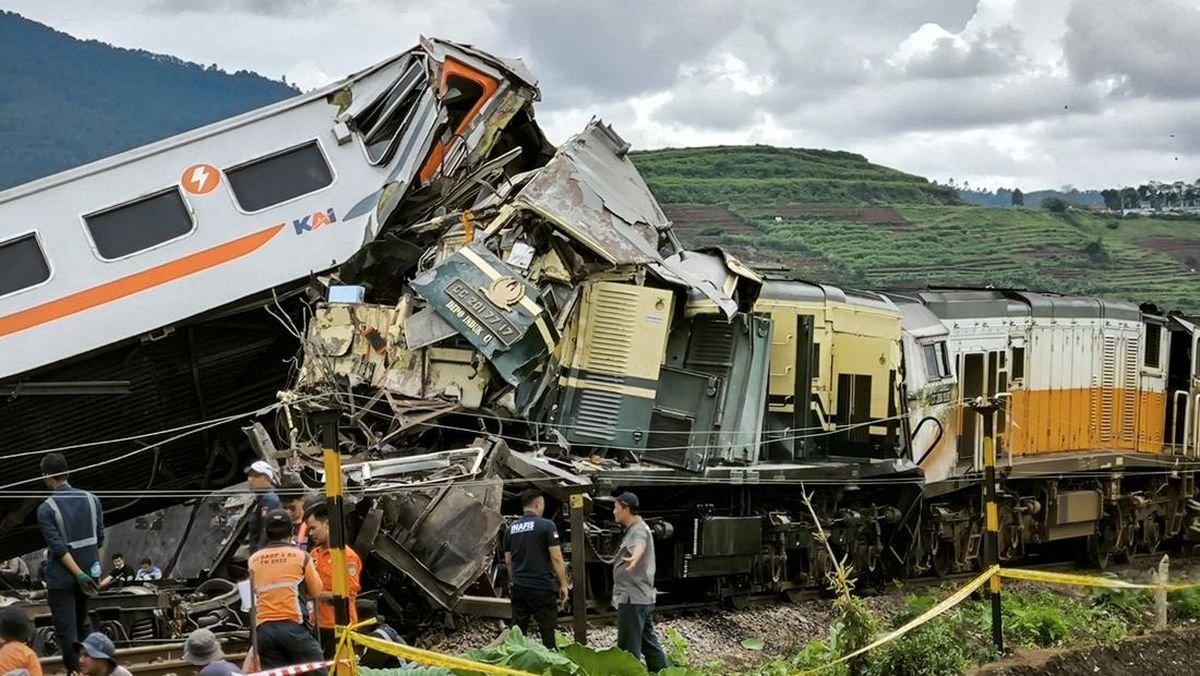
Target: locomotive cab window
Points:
(1150, 358)
(139, 225)
(274, 180)
(1018, 363)
(22, 264)
(937, 366)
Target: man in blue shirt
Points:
(72, 524)
(262, 479)
(534, 559)
(148, 572)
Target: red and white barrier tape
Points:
(295, 669)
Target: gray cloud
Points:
(1003, 92)
(1146, 49)
(988, 54)
(279, 8)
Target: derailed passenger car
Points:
(159, 289)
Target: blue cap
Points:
(98, 647)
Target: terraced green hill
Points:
(835, 217)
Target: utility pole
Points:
(580, 503)
(991, 539)
(328, 420)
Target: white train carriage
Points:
(134, 243)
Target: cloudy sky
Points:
(1031, 93)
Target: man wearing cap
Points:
(296, 501)
(277, 573)
(633, 585)
(15, 654)
(318, 535)
(98, 656)
(261, 477)
(534, 559)
(202, 649)
(72, 523)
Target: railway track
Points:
(161, 659)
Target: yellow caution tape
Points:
(425, 656)
(948, 603)
(1085, 580)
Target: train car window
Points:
(274, 180)
(22, 264)
(1018, 363)
(1153, 344)
(139, 225)
(816, 361)
(937, 366)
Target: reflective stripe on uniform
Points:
(62, 528)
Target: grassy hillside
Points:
(868, 225)
(66, 102)
(769, 175)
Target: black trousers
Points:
(283, 644)
(69, 613)
(636, 634)
(539, 605)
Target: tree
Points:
(1054, 205)
(1018, 198)
(1112, 199)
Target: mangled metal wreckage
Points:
(555, 333)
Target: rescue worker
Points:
(72, 523)
(277, 572)
(15, 653)
(534, 559)
(324, 617)
(633, 585)
(261, 477)
(296, 501)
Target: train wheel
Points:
(1102, 547)
(943, 559)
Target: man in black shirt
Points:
(534, 559)
(122, 574)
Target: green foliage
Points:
(934, 650)
(757, 175)
(1097, 253)
(677, 648)
(520, 652)
(1054, 205)
(609, 662)
(756, 644)
(65, 102)
(1184, 604)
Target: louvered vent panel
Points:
(610, 329)
(711, 346)
(1108, 383)
(597, 415)
(1129, 395)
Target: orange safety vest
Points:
(323, 559)
(277, 572)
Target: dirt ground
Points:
(1174, 652)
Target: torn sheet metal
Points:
(594, 194)
(713, 280)
(493, 307)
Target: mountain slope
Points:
(766, 174)
(837, 218)
(66, 102)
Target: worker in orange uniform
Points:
(281, 574)
(318, 540)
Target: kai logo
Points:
(314, 221)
